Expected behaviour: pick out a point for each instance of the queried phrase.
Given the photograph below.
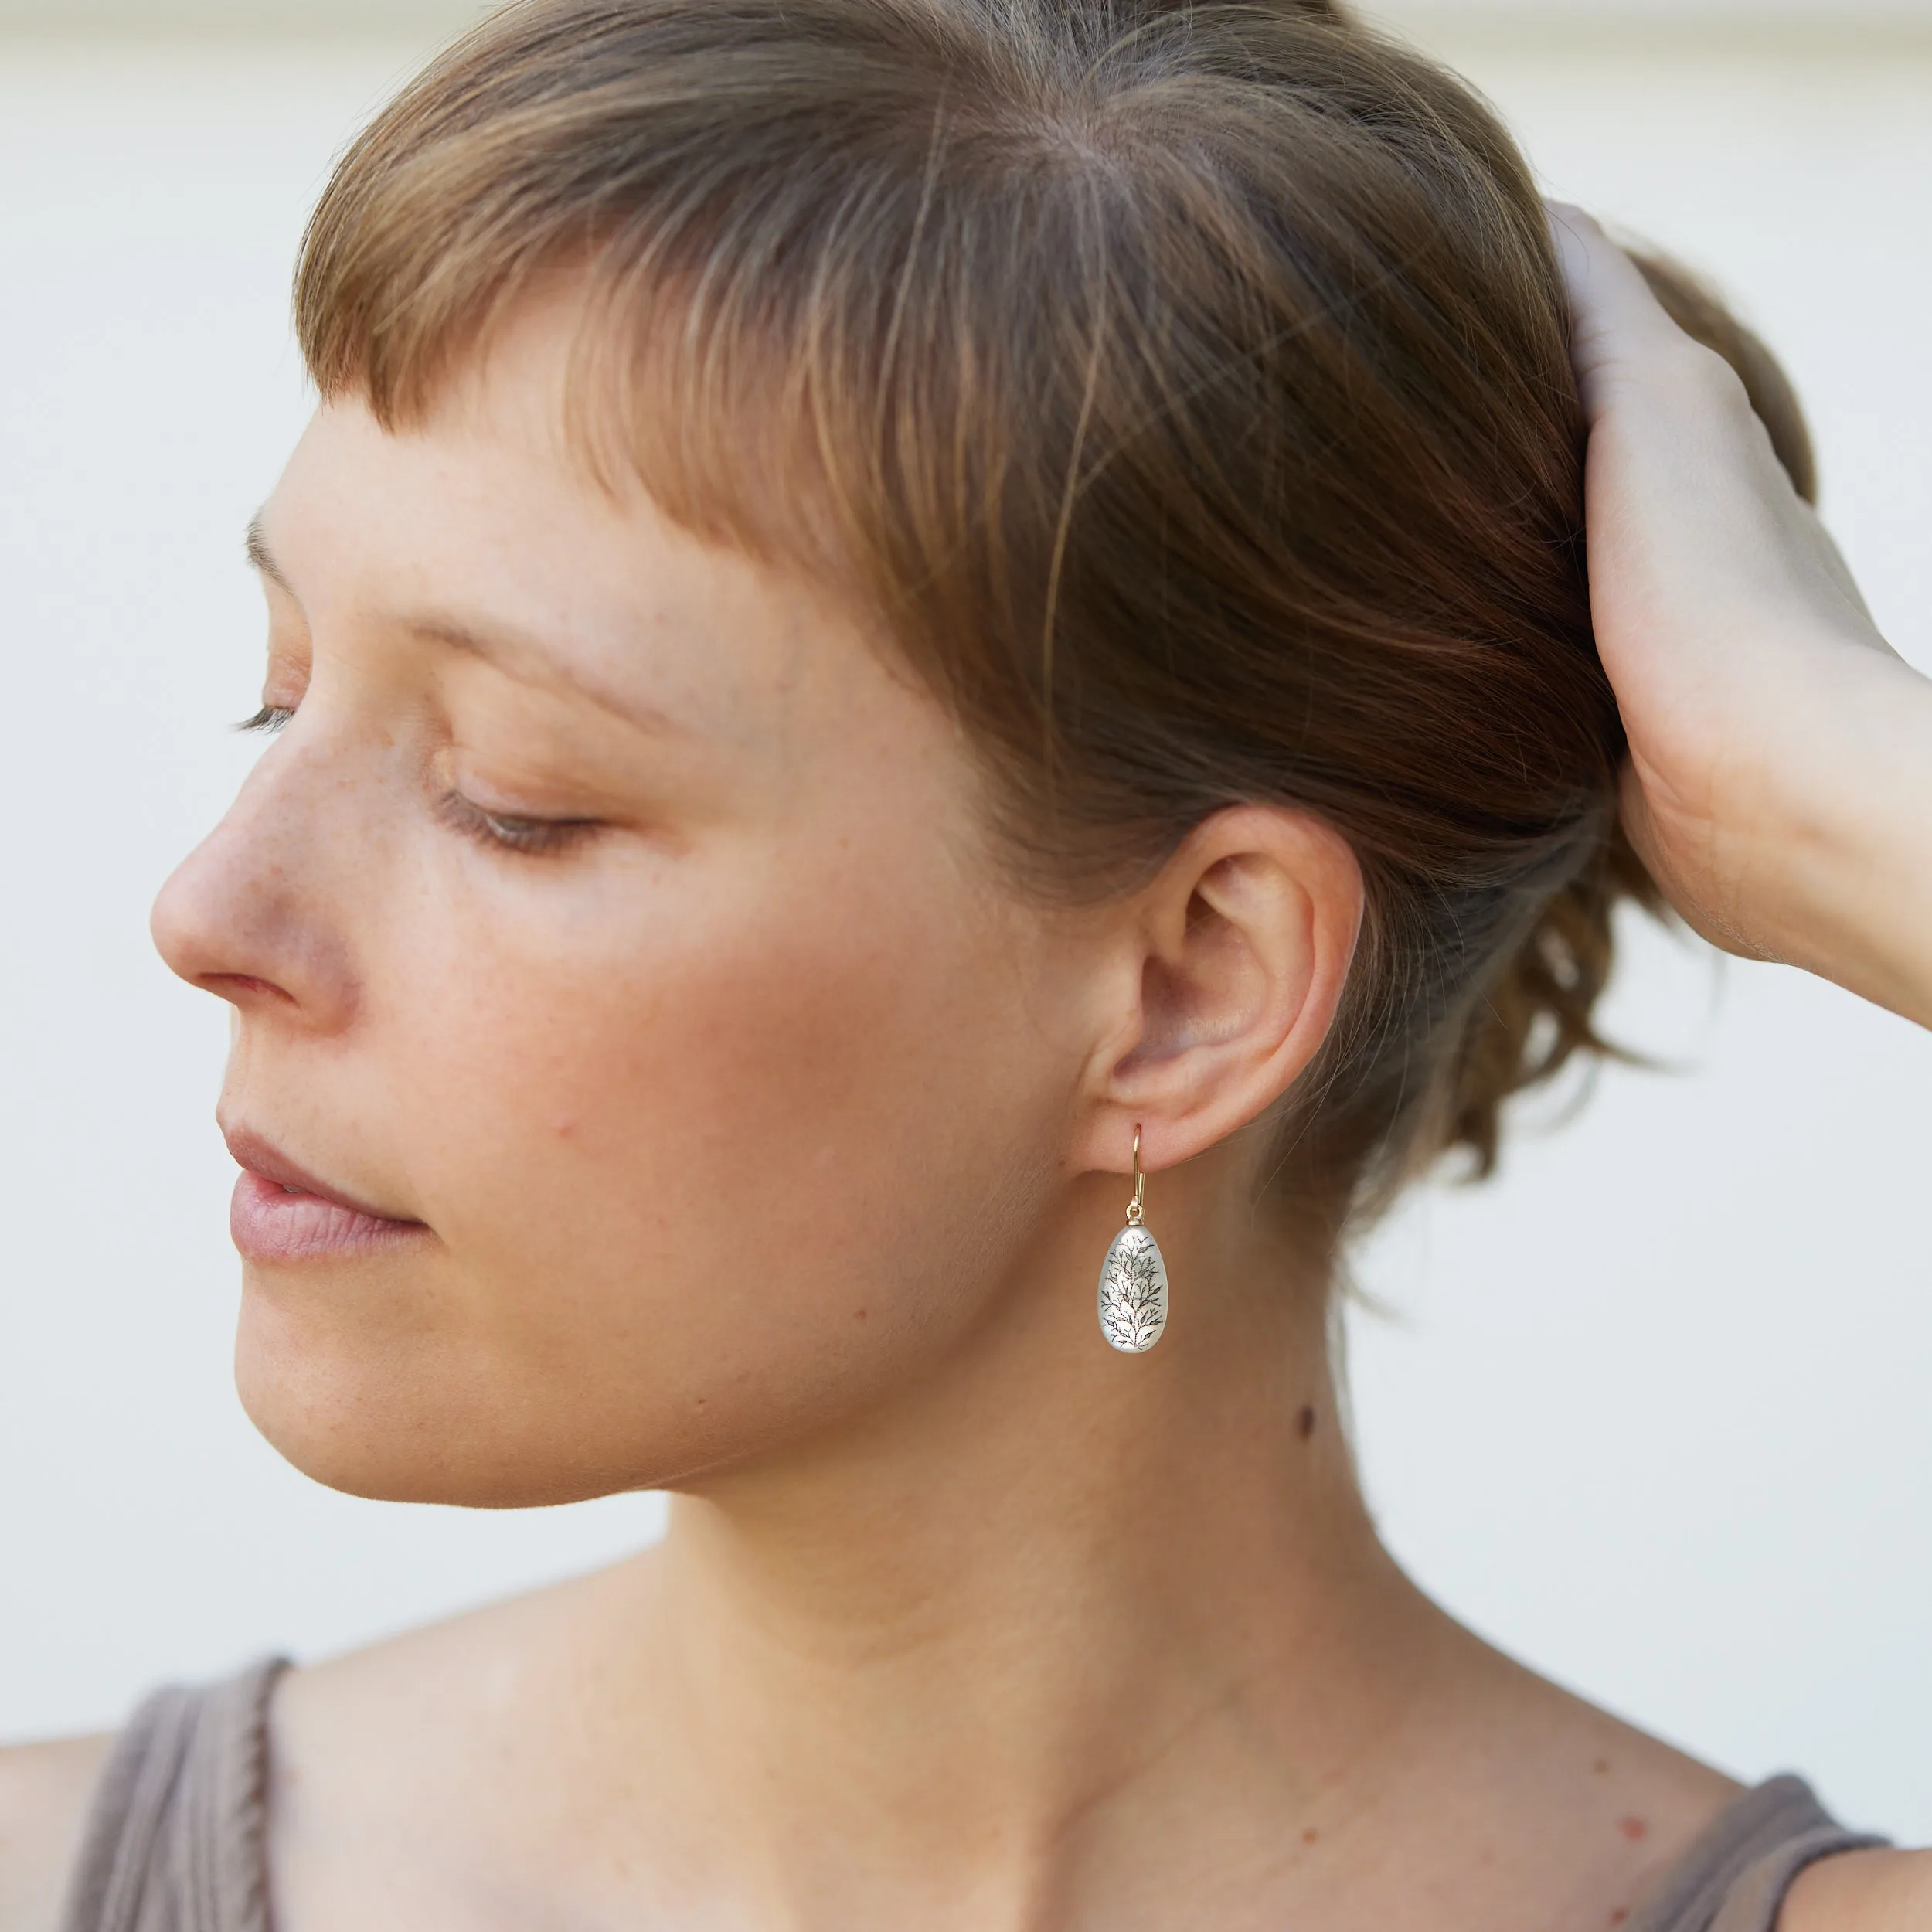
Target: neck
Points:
(1008, 1617)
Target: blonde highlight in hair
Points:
(1185, 386)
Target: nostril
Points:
(243, 988)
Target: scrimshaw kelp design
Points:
(1134, 1292)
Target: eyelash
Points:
(498, 831)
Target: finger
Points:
(1615, 320)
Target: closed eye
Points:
(270, 718)
(505, 831)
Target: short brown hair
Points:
(1186, 384)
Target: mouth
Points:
(280, 1212)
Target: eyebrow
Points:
(509, 651)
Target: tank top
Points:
(175, 1840)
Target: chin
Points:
(395, 1417)
(399, 1412)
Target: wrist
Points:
(1842, 848)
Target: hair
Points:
(1186, 386)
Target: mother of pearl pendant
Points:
(1133, 1291)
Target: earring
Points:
(1133, 1279)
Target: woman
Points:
(931, 649)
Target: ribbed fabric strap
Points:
(1737, 1875)
(173, 1842)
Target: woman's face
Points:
(610, 931)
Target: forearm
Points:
(1852, 846)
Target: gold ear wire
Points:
(1140, 1182)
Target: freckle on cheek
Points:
(1633, 1828)
(859, 1314)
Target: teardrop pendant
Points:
(1133, 1298)
(1134, 1292)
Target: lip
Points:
(280, 1211)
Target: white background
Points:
(1652, 1411)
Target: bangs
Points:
(783, 277)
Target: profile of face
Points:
(609, 920)
(641, 1058)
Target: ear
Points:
(1229, 968)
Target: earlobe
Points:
(1244, 941)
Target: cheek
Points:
(713, 1165)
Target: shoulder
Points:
(414, 1724)
(1863, 1892)
(44, 1791)
(396, 1767)
(435, 1690)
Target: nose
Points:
(252, 914)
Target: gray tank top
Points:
(176, 1843)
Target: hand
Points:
(1779, 781)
